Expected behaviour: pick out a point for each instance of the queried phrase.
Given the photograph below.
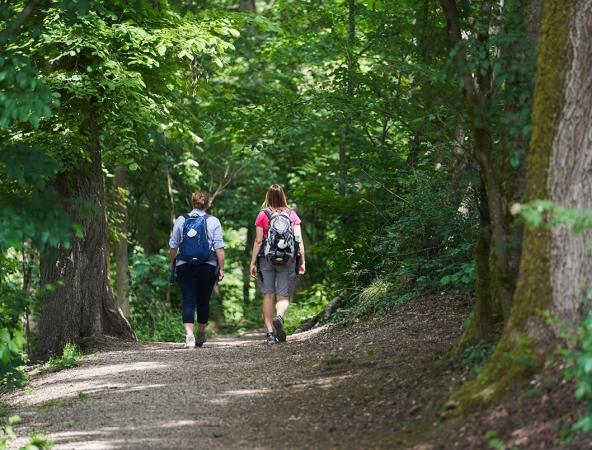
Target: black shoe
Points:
(271, 339)
(280, 331)
(200, 338)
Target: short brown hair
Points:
(275, 197)
(200, 199)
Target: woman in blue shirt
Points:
(197, 281)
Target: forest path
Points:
(355, 387)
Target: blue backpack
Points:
(195, 245)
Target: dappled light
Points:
(286, 224)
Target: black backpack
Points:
(279, 247)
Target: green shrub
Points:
(71, 355)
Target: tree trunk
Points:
(569, 182)
(121, 247)
(477, 102)
(247, 269)
(83, 307)
(351, 40)
(483, 311)
(554, 262)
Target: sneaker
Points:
(200, 338)
(278, 324)
(271, 339)
(189, 341)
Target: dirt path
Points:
(357, 387)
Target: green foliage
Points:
(12, 359)
(151, 317)
(579, 362)
(465, 275)
(480, 353)
(7, 435)
(27, 209)
(312, 302)
(424, 240)
(551, 214)
(70, 358)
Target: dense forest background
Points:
(399, 130)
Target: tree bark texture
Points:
(483, 310)
(121, 246)
(570, 165)
(555, 268)
(84, 307)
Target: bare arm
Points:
(172, 254)
(298, 232)
(220, 256)
(256, 247)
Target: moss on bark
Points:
(526, 337)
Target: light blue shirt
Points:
(214, 235)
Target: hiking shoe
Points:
(271, 339)
(280, 331)
(200, 338)
(189, 341)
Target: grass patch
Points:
(70, 358)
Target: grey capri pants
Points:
(279, 280)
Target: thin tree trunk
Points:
(171, 198)
(247, 269)
(483, 311)
(121, 247)
(83, 307)
(351, 41)
(476, 105)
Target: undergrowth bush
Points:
(429, 236)
(580, 369)
(71, 355)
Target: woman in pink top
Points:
(275, 282)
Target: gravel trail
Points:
(344, 388)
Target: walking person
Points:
(276, 282)
(197, 255)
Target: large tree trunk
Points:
(83, 307)
(121, 246)
(554, 262)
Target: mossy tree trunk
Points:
(555, 268)
(83, 305)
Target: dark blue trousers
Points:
(196, 283)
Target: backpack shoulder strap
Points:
(267, 211)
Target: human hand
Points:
(220, 274)
(254, 271)
(301, 269)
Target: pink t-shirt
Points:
(263, 221)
